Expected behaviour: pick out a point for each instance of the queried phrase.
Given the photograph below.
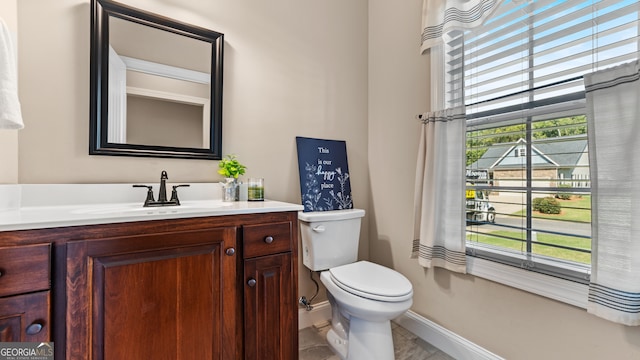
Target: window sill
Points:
(565, 291)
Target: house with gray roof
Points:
(556, 161)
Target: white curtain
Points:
(441, 16)
(439, 229)
(613, 112)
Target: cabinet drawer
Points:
(25, 269)
(266, 239)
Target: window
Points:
(532, 217)
(520, 78)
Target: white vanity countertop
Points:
(24, 207)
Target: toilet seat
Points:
(372, 281)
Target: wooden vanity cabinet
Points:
(220, 287)
(182, 289)
(25, 280)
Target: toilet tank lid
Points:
(330, 215)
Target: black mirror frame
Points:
(98, 144)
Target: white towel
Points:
(10, 113)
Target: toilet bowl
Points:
(364, 296)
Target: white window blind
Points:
(532, 54)
(520, 76)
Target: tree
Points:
(479, 141)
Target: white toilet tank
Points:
(329, 238)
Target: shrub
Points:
(535, 205)
(547, 205)
(562, 194)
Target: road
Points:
(550, 225)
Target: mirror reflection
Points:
(157, 97)
(157, 85)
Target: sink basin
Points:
(138, 209)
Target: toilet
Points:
(364, 296)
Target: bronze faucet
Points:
(162, 193)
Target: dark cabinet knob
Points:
(230, 251)
(268, 239)
(251, 282)
(33, 329)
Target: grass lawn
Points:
(538, 248)
(575, 209)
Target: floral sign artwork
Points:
(324, 174)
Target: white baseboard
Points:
(321, 313)
(445, 340)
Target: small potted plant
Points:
(230, 168)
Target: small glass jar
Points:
(255, 189)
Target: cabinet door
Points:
(25, 318)
(168, 296)
(270, 309)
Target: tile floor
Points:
(313, 345)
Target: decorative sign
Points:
(324, 174)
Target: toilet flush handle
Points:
(319, 228)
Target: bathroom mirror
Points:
(156, 85)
